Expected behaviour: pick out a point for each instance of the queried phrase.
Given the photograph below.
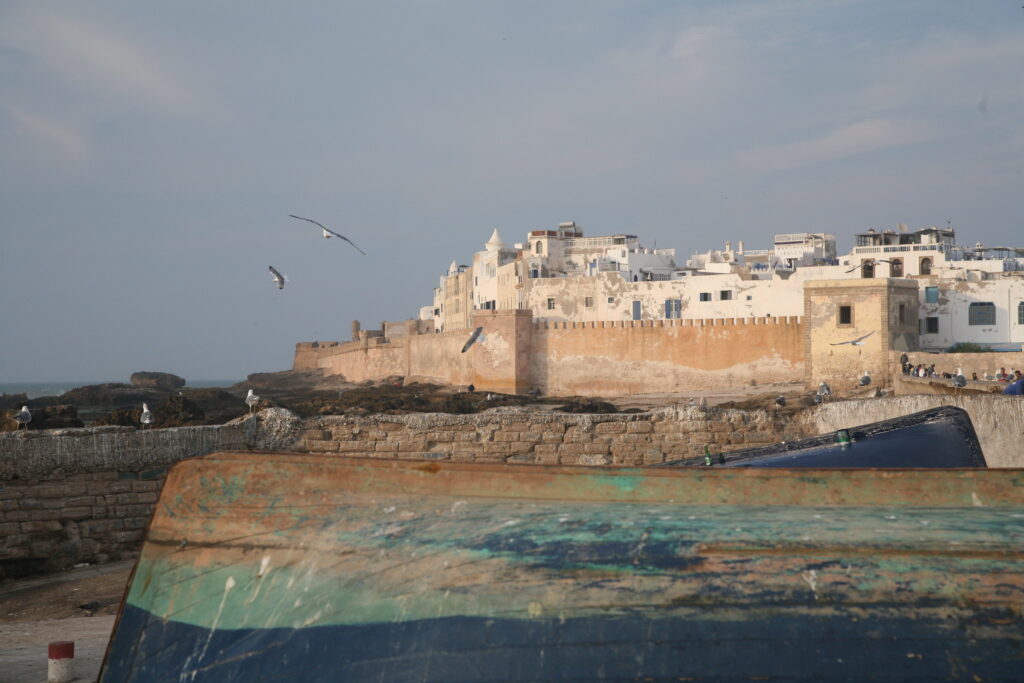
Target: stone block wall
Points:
(85, 495)
(515, 435)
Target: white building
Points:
(967, 294)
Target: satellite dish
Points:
(902, 227)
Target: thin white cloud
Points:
(66, 144)
(79, 53)
(849, 140)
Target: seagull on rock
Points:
(279, 279)
(780, 401)
(865, 379)
(328, 233)
(147, 417)
(859, 341)
(251, 400)
(959, 381)
(23, 417)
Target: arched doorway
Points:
(896, 268)
(926, 265)
(867, 269)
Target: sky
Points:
(150, 153)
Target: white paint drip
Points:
(811, 578)
(228, 585)
(976, 501)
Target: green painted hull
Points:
(256, 564)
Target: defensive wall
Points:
(517, 354)
(85, 495)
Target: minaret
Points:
(495, 242)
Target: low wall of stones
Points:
(85, 495)
(520, 436)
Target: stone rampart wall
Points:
(561, 359)
(665, 356)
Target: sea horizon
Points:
(37, 389)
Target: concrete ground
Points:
(79, 605)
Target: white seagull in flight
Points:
(859, 341)
(279, 279)
(472, 339)
(328, 232)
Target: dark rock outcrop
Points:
(164, 381)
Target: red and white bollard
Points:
(62, 662)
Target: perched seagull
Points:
(869, 262)
(780, 401)
(959, 381)
(278, 278)
(251, 400)
(328, 232)
(824, 390)
(472, 339)
(859, 341)
(865, 379)
(147, 417)
(23, 417)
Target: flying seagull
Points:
(472, 339)
(869, 262)
(251, 399)
(23, 417)
(328, 232)
(147, 417)
(278, 278)
(859, 341)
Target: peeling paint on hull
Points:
(264, 567)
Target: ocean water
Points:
(36, 389)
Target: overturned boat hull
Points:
(277, 566)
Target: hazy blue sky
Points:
(150, 153)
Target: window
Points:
(926, 266)
(902, 314)
(931, 295)
(931, 325)
(846, 316)
(1020, 313)
(725, 295)
(538, 247)
(867, 269)
(749, 297)
(637, 310)
(611, 299)
(705, 296)
(673, 308)
(588, 301)
(534, 273)
(896, 268)
(551, 303)
(981, 313)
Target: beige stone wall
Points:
(655, 356)
(545, 438)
